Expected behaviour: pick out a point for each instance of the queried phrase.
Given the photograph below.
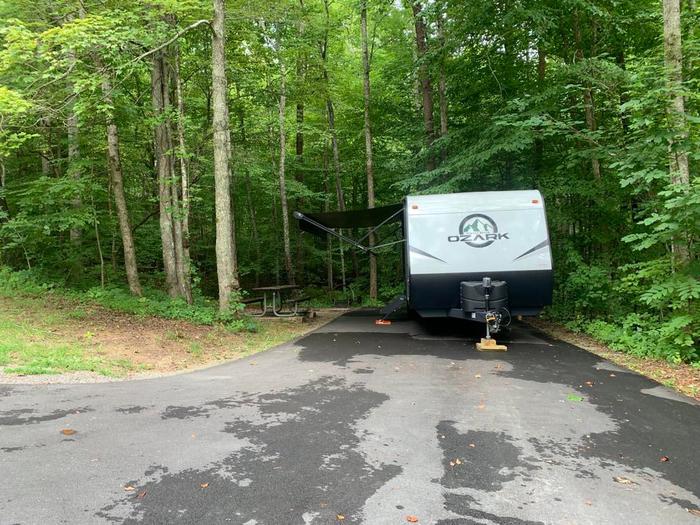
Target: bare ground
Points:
(151, 346)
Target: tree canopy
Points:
(118, 155)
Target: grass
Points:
(27, 349)
(50, 330)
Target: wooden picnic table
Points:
(276, 304)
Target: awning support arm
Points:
(388, 219)
(385, 245)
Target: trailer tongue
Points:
(482, 256)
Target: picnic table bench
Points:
(272, 301)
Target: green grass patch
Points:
(196, 349)
(31, 350)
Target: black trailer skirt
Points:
(433, 295)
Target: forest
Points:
(158, 149)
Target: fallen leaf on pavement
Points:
(141, 494)
(478, 376)
(339, 517)
(588, 502)
(412, 519)
(623, 480)
(589, 383)
(694, 512)
(481, 406)
(664, 459)
(613, 375)
(472, 445)
(458, 461)
(204, 485)
(68, 431)
(128, 488)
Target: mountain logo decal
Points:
(478, 231)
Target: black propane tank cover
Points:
(472, 295)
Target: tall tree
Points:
(588, 102)
(426, 87)
(673, 58)
(284, 208)
(442, 77)
(330, 113)
(73, 144)
(369, 167)
(160, 93)
(226, 270)
(185, 270)
(117, 178)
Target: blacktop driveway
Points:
(357, 423)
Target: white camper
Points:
(482, 256)
(462, 237)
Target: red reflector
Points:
(535, 201)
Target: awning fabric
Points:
(366, 218)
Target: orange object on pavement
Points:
(382, 322)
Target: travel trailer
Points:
(482, 256)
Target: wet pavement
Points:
(357, 423)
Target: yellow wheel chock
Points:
(490, 345)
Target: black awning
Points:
(366, 218)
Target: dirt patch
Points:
(146, 346)
(683, 378)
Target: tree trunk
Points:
(539, 143)
(184, 183)
(46, 153)
(442, 83)
(673, 60)
(424, 78)
(225, 243)
(4, 211)
(178, 237)
(249, 199)
(588, 103)
(330, 113)
(624, 95)
(369, 167)
(299, 147)
(117, 177)
(340, 195)
(73, 157)
(283, 186)
(159, 91)
(327, 207)
(336, 155)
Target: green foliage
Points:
(157, 304)
(154, 303)
(624, 236)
